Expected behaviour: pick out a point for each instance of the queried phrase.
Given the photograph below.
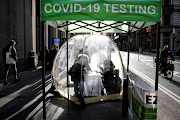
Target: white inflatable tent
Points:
(99, 49)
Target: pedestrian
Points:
(50, 58)
(52, 55)
(12, 50)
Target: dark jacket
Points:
(75, 72)
(109, 80)
(165, 53)
(78, 68)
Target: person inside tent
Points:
(80, 66)
(112, 81)
(76, 72)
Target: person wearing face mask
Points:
(52, 55)
(50, 60)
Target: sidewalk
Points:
(23, 101)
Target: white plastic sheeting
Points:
(98, 48)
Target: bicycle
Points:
(168, 70)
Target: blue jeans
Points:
(77, 87)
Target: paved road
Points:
(142, 67)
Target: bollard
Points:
(125, 98)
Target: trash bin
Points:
(31, 60)
(143, 102)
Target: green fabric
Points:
(114, 10)
(142, 112)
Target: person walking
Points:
(11, 49)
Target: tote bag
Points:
(9, 59)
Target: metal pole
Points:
(153, 60)
(67, 64)
(128, 46)
(25, 32)
(126, 81)
(43, 33)
(139, 43)
(157, 55)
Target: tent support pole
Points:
(126, 81)
(43, 33)
(67, 64)
(128, 47)
(157, 55)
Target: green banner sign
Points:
(114, 10)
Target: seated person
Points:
(112, 81)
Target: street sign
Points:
(116, 10)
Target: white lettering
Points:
(107, 5)
(135, 8)
(75, 7)
(65, 9)
(45, 8)
(54, 8)
(142, 9)
(130, 8)
(96, 7)
(123, 7)
(71, 8)
(114, 7)
(153, 9)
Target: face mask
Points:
(57, 49)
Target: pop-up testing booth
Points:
(85, 16)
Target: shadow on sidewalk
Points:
(23, 101)
(57, 109)
(18, 100)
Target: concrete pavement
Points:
(23, 101)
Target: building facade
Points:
(20, 19)
(169, 29)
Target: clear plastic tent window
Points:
(95, 68)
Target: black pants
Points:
(7, 67)
(164, 66)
